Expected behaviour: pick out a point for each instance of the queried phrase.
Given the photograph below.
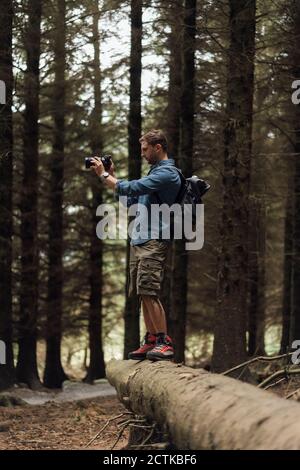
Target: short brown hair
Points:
(154, 137)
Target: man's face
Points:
(150, 152)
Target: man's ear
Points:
(158, 147)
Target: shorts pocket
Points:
(150, 274)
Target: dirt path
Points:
(71, 391)
(60, 425)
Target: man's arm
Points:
(146, 185)
(154, 182)
(111, 180)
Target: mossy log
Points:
(201, 410)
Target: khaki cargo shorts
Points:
(147, 263)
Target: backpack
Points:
(191, 192)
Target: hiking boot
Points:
(146, 346)
(163, 349)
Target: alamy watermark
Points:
(159, 221)
(295, 358)
(296, 93)
(2, 352)
(2, 92)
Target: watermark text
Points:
(295, 358)
(2, 92)
(296, 93)
(154, 222)
(2, 352)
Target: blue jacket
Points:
(163, 181)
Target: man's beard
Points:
(153, 159)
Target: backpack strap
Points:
(182, 187)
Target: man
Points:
(148, 253)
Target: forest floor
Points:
(68, 419)
(59, 424)
(286, 385)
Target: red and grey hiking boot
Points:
(163, 349)
(147, 344)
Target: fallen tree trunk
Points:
(201, 410)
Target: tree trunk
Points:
(257, 241)
(175, 40)
(85, 357)
(256, 343)
(27, 371)
(287, 285)
(7, 376)
(203, 411)
(54, 374)
(231, 321)
(96, 369)
(179, 287)
(295, 61)
(175, 19)
(131, 313)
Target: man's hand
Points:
(97, 166)
(99, 169)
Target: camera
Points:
(106, 160)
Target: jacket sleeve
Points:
(148, 184)
(130, 199)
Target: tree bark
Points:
(199, 410)
(96, 369)
(231, 321)
(7, 376)
(131, 313)
(175, 39)
(294, 10)
(179, 286)
(27, 371)
(257, 232)
(54, 374)
(256, 329)
(287, 283)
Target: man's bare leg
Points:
(154, 314)
(147, 318)
(150, 339)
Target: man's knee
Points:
(149, 298)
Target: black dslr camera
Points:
(106, 160)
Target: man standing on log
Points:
(148, 253)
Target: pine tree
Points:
(27, 363)
(7, 376)
(294, 59)
(230, 322)
(131, 313)
(54, 374)
(179, 285)
(174, 43)
(96, 369)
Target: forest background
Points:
(84, 78)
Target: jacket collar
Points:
(168, 162)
